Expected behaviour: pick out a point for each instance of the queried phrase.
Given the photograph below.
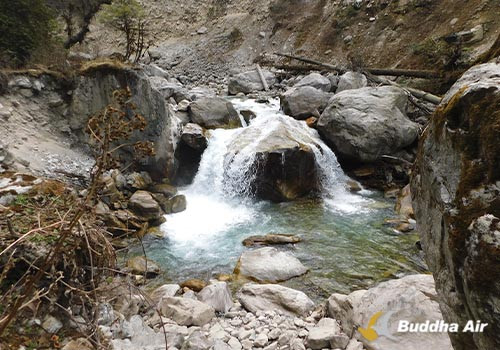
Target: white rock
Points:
(51, 325)
(185, 311)
(255, 297)
(165, 291)
(234, 343)
(261, 340)
(217, 295)
(408, 298)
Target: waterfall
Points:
(219, 196)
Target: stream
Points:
(345, 244)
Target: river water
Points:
(345, 244)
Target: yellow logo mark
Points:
(369, 333)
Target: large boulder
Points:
(304, 102)
(350, 81)
(186, 311)
(269, 265)
(93, 91)
(364, 124)
(273, 297)
(455, 186)
(316, 81)
(214, 112)
(248, 82)
(273, 159)
(411, 298)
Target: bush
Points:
(26, 25)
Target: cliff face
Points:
(456, 187)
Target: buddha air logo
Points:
(378, 326)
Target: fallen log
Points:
(376, 71)
(379, 80)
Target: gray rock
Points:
(105, 314)
(140, 265)
(197, 341)
(178, 203)
(214, 112)
(234, 343)
(202, 30)
(93, 92)
(279, 153)
(364, 124)
(304, 102)
(51, 325)
(316, 81)
(269, 265)
(351, 80)
(455, 190)
(164, 291)
(266, 297)
(271, 239)
(21, 83)
(354, 345)
(144, 205)
(193, 135)
(249, 82)
(261, 340)
(217, 295)
(186, 311)
(79, 344)
(138, 181)
(139, 336)
(323, 334)
(410, 298)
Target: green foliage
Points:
(127, 16)
(25, 25)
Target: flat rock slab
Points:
(273, 297)
(270, 239)
(268, 265)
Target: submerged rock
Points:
(304, 102)
(214, 112)
(248, 82)
(412, 298)
(273, 160)
(455, 187)
(273, 297)
(269, 265)
(271, 239)
(364, 124)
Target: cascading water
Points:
(344, 249)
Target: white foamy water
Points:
(219, 200)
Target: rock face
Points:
(351, 80)
(248, 82)
(214, 112)
(316, 81)
(93, 92)
(363, 124)
(273, 160)
(186, 312)
(273, 297)
(410, 298)
(304, 102)
(269, 265)
(455, 188)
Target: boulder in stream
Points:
(248, 82)
(316, 81)
(268, 265)
(214, 112)
(270, 239)
(364, 124)
(273, 159)
(304, 101)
